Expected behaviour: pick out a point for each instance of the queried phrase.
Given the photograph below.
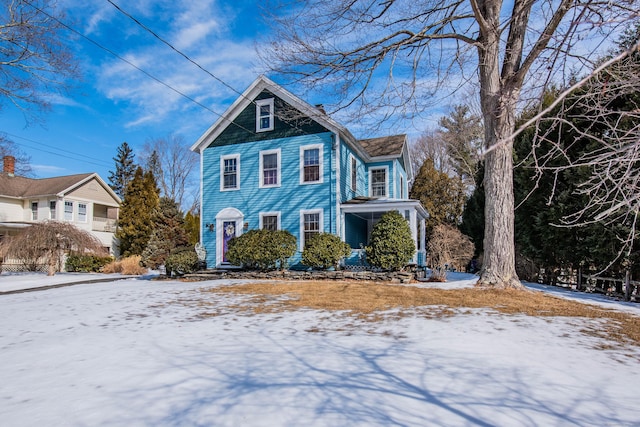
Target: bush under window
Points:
(325, 250)
(262, 249)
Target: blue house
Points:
(274, 161)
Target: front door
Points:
(228, 232)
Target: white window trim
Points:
(402, 192)
(53, 213)
(320, 223)
(261, 177)
(352, 160)
(222, 159)
(86, 212)
(260, 103)
(34, 213)
(386, 181)
(303, 148)
(64, 210)
(275, 213)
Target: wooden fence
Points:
(618, 287)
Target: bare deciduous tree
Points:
(34, 58)
(46, 242)
(173, 166)
(391, 56)
(448, 247)
(9, 148)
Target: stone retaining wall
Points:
(390, 276)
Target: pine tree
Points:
(168, 234)
(192, 227)
(442, 196)
(137, 213)
(125, 170)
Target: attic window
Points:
(264, 115)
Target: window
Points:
(401, 187)
(311, 164)
(230, 172)
(378, 182)
(311, 224)
(270, 168)
(52, 209)
(82, 212)
(354, 174)
(68, 211)
(264, 115)
(34, 211)
(270, 221)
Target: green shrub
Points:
(86, 263)
(325, 250)
(391, 245)
(181, 261)
(262, 249)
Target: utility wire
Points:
(89, 159)
(73, 30)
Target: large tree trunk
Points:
(498, 97)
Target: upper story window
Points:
(270, 168)
(68, 211)
(402, 196)
(82, 212)
(52, 209)
(311, 164)
(34, 211)
(270, 221)
(378, 182)
(264, 115)
(230, 172)
(354, 174)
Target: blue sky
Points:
(114, 102)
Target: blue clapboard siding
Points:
(290, 198)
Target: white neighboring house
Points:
(84, 200)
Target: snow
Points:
(140, 353)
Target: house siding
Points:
(286, 124)
(92, 191)
(346, 191)
(289, 198)
(12, 209)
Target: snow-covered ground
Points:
(141, 353)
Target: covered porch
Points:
(359, 215)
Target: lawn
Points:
(224, 353)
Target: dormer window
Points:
(264, 115)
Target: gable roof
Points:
(248, 96)
(22, 187)
(384, 148)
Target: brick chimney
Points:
(9, 165)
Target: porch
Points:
(359, 215)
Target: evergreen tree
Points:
(125, 170)
(168, 233)
(441, 195)
(473, 214)
(463, 137)
(192, 227)
(137, 213)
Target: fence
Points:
(618, 287)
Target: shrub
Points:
(262, 249)
(129, 266)
(325, 250)
(86, 263)
(448, 248)
(181, 261)
(391, 245)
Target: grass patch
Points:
(368, 300)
